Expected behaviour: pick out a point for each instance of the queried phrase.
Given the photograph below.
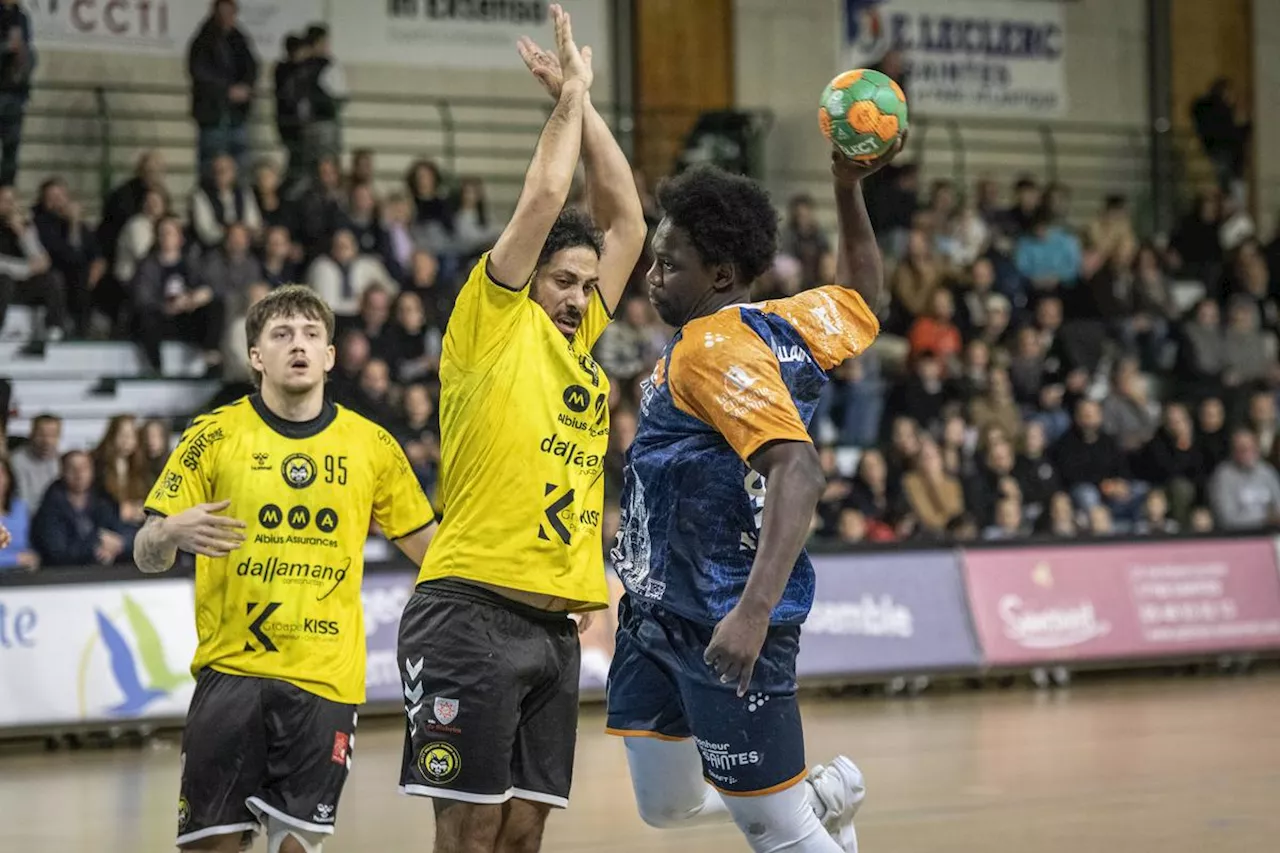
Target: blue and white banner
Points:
(966, 57)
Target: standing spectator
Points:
(17, 64)
(1223, 134)
(230, 270)
(219, 201)
(291, 105)
(223, 72)
(1244, 491)
(35, 464)
(26, 275)
(77, 525)
(170, 303)
(72, 248)
(120, 471)
(934, 495)
(15, 516)
(325, 90)
(342, 276)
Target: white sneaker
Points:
(840, 790)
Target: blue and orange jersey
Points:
(727, 384)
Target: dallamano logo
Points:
(123, 669)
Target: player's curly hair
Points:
(729, 218)
(572, 229)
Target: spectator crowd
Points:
(1035, 376)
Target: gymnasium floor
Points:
(1166, 765)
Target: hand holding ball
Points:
(863, 113)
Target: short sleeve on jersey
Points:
(834, 321)
(185, 480)
(594, 321)
(729, 379)
(399, 506)
(483, 316)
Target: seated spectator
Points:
(1247, 357)
(35, 463)
(15, 516)
(353, 354)
(374, 318)
(474, 231)
(969, 237)
(1261, 420)
(1175, 459)
(128, 200)
(872, 493)
(994, 482)
(408, 344)
(1211, 432)
(399, 248)
(1037, 479)
(119, 471)
(933, 495)
(1147, 330)
(1020, 218)
(1007, 521)
(999, 314)
(905, 435)
(1202, 350)
(1060, 521)
(1092, 465)
(278, 266)
(218, 201)
(276, 210)
(170, 302)
(362, 221)
(362, 169)
(373, 394)
(1101, 521)
(975, 371)
(432, 217)
(852, 403)
(27, 276)
(236, 368)
(1155, 518)
(922, 396)
(624, 348)
(320, 209)
(1111, 233)
(72, 248)
(138, 237)
(997, 408)
(419, 432)
(1026, 366)
(622, 433)
(1048, 256)
(957, 444)
(971, 310)
(1202, 520)
(1195, 250)
(154, 447)
(803, 238)
(76, 524)
(1244, 491)
(915, 279)
(935, 332)
(1128, 413)
(343, 275)
(231, 268)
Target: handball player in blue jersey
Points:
(720, 489)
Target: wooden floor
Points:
(1158, 765)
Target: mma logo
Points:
(577, 398)
(439, 762)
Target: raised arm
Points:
(858, 263)
(550, 174)
(612, 198)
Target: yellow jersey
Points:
(286, 604)
(524, 423)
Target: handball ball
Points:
(863, 112)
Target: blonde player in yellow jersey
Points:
(488, 652)
(274, 493)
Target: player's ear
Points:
(255, 359)
(724, 276)
(330, 357)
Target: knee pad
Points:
(278, 831)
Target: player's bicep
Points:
(622, 248)
(739, 391)
(515, 254)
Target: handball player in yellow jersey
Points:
(488, 652)
(274, 494)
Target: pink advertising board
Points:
(1091, 602)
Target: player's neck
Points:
(293, 407)
(716, 300)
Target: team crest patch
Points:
(299, 470)
(445, 710)
(439, 762)
(184, 813)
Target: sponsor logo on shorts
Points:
(299, 470)
(199, 443)
(274, 570)
(341, 741)
(724, 757)
(325, 813)
(445, 710)
(439, 762)
(184, 813)
(755, 701)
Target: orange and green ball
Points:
(863, 112)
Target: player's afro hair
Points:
(572, 229)
(729, 218)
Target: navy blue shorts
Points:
(660, 687)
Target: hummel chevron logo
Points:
(414, 695)
(411, 668)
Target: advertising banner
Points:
(1102, 602)
(98, 652)
(478, 34)
(966, 57)
(160, 27)
(887, 613)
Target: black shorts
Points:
(259, 747)
(491, 697)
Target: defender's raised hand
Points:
(543, 65)
(575, 64)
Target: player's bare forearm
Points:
(614, 204)
(153, 551)
(858, 264)
(794, 481)
(546, 188)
